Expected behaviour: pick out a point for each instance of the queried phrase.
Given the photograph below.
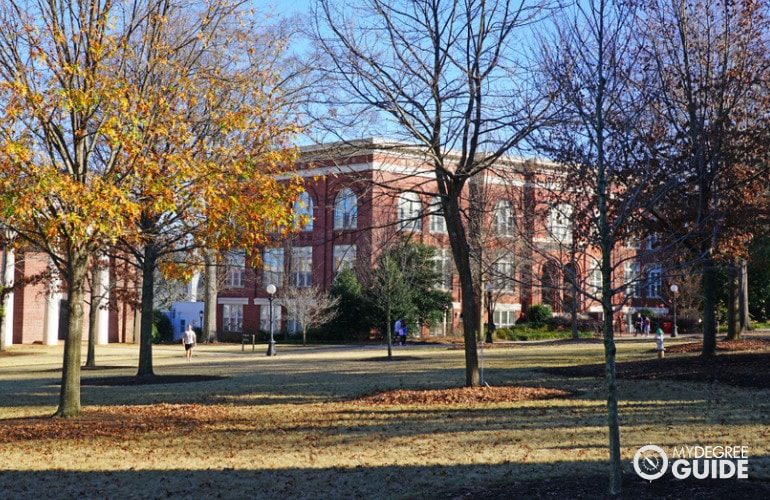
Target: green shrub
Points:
(162, 331)
(538, 315)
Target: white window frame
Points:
(344, 257)
(444, 265)
(437, 220)
(503, 272)
(654, 283)
(503, 220)
(631, 277)
(560, 223)
(232, 317)
(272, 265)
(346, 210)
(236, 269)
(595, 280)
(301, 267)
(303, 207)
(264, 315)
(505, 315)
(410, 212)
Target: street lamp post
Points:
(490, 314)
(203, 330)
(674, 289)
(270, 292)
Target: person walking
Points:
(397, 331)
(639, 324)
(646, 327)
(188, 340)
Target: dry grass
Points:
(342, 423)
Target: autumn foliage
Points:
(149, 122)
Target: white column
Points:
(193, 295)
(10, 265)
(103, 313)
(52, 309)
(52, 314)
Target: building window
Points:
(633, 243)
(631, 278)
(444, 267)
(595, 281)
(437, 221)
(344, 257)
(346, 210)
(236, 269)
(560, 223)
(232, 317)
(410, 212)
(654, 280)
(504, 317)
(503, 273)
(503, 221)
(303, 212)
(264, 317)
(272, 266)
(301, 266)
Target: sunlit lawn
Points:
(295, 425)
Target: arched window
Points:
(503, 219)
(560, 223)
(346, 210)
(409, 212)
(303, 212)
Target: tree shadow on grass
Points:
(482, 481)
(745, 369)
(127, 380)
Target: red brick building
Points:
(37, 311)
(361, 196)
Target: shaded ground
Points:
(146, 379)
(743, 369)
(748, 368)
(667, 488)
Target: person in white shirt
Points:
(188, 339)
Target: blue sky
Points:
(284, 6)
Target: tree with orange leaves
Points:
(124, 119)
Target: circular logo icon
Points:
(650, 462)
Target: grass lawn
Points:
(343, 422)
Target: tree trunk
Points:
(93, 279)
(733, 305)
(613, 421)
(69, 396)
(744, 296)
(709, 288)
(210, 297)
(148, 297)
(388, 336)
(461, 253)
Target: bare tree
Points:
(309, 307)
(706, 64)
(446, 77)
(591, 63)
